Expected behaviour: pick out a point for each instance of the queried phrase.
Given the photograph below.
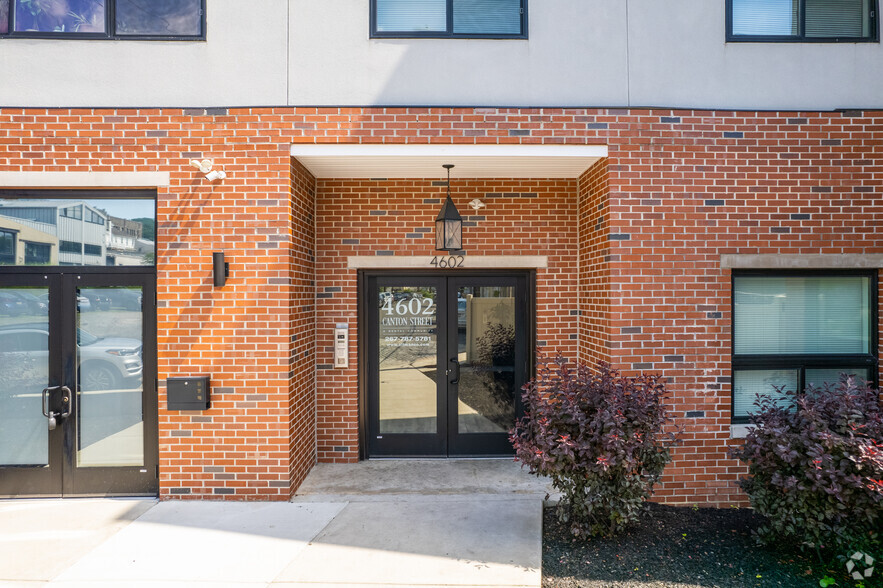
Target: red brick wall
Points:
(687, 187)
(682, 188)
(594, 265)
(396, 217)
(240, 334)
(302, 342)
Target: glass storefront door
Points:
(77, 383)
(447, 356)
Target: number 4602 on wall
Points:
(447, 261)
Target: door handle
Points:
(46, 406)
(46, 391)
(66, 401)
(456, 379)
(47, 412)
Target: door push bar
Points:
(65, 400)
(456, 379)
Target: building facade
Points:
(658, 186)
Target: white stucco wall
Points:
(242, 62)
(588, 53)
(580, 53)
(576, 55)
(678, 57)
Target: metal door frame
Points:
(488, 444)
(62, 477)
(368, 333)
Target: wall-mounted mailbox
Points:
(188, 393)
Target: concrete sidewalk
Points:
(376, 523)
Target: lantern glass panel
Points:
(453, 235)
(440, 234)
(448, 235)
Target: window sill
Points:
(844, 41)
(739, 431)
(451, 37)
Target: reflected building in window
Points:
(126, 243)
(55, 232)
(21, 244)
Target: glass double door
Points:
(447, 357)
(77, 384)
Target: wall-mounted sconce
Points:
(476, 204)
(449, 223)
(220, 269)
(205, 167)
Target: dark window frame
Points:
(12, 233)
(4, 257)
(77, 210)
(35, 245)
(110, 27)
(80, 194)
(873, 36)
(802, 362)
(447, 34)
(74, 247)
(90, 216)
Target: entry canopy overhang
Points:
(335, 160)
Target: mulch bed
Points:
(676, 547)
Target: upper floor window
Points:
(449, 18)
(75, 212)
(103, 19)
(802, 20)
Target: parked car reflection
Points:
(105, 363)
(11, 305)
(107, 298)
(33, 304)
(83, 304)
(98, 300)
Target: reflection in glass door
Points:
(24, 373)
(447, 356)
(77, 373)
(110, 428)
(408, 326)
(489, 351)
(486, 354)
(407, 413)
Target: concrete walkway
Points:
(377, 523)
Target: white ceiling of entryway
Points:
(425, 161)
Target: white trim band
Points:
(469, 262)
(83, 179)
(775, 261)
(360, 161)
(425, 150)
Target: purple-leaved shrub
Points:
(599, 437)
(815, 466)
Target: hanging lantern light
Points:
(449, 223)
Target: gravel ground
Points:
(677, 547)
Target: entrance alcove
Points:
(374, 213)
